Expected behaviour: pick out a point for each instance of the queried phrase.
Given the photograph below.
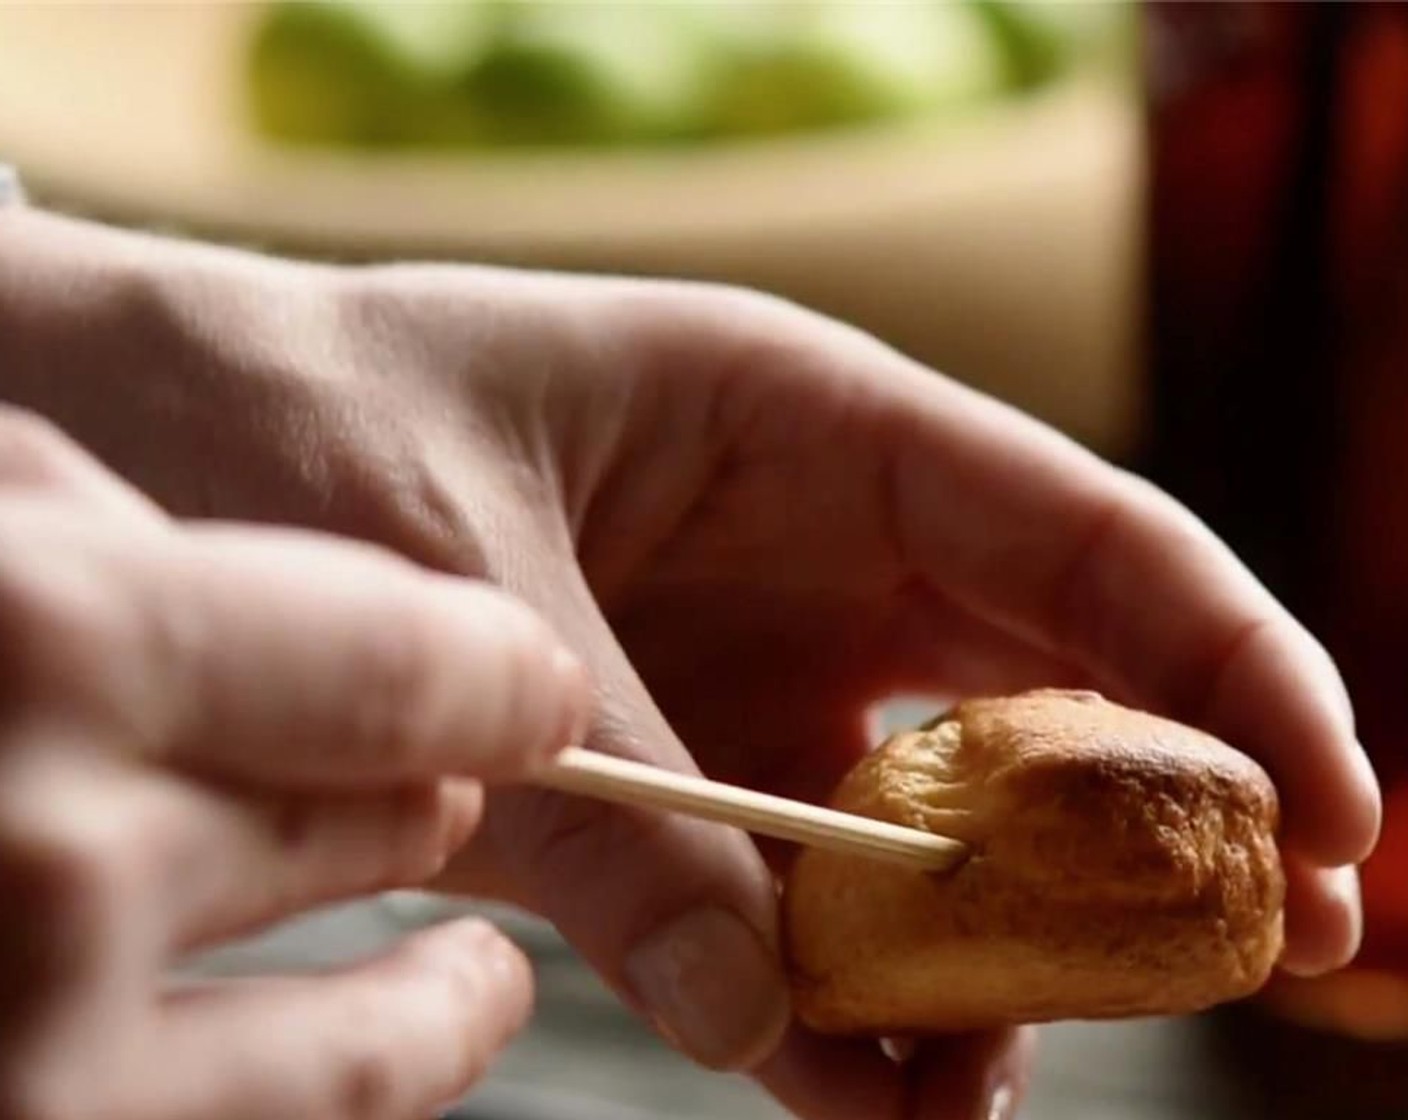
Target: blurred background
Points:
(1177, 231)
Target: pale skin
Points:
(745, 522)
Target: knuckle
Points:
(738, 303)
(696, 324)
(494, 990)
(758, 325)
(1167, 520)
(68, 880)
(454, 956)
(292, 824)
(486, 983)
(366, 1087)
(57, 874)
(491, 956)
(53, 628)
(421, 837)
(769, 332)
(756, 304)
(32, 618)
(287, 836)
(70, 852)
(390, 709)
(768, 319)
(56, 923)
(32, 448)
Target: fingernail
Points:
(898, 1050)
(1368, 780)
(1344, 881)
(460, 803)
(1345, 921)
(712, 988)
(490, 964)
(559, 707)
(1002, 1105)
(1006, 1078)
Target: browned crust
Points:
(1122, 865)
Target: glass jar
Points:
(1278, 357)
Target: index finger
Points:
(356, 665)
(1028, 529)
(290, 659)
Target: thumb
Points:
(678, 915)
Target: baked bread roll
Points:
(1121, 864)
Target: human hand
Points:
(209, 729)
(752, 524)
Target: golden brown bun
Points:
(1122, 865)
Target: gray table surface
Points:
(584, 1058)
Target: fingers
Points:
(1275, 685)
(110, 863)
(244, 860)
(279, 658)
(68, 876)
(1108, 573)
(677, 914)
(263, 655)
(395, 1039)
(1324, 923)
(958, 1078)
(1117, 578)
(263, 662)
(357, 667)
